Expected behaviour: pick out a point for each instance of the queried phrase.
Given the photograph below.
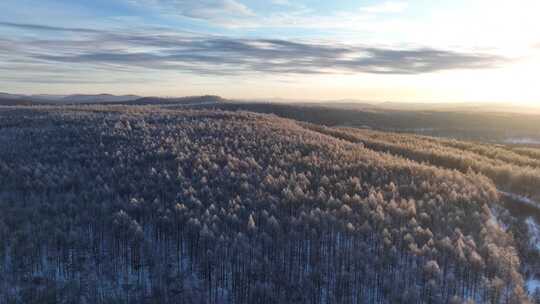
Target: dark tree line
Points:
(145, 205)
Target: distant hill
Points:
(20, 99)
(10, 96)
(6, 101)
(10, 99)
(188, 100)
(100, 98)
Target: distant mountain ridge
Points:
(68, 99)
(343, 104)
(84, 98)
(19, 99)
(7, 101)
(191, 100)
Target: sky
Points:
(401, 51)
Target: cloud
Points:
(126, 52)
(70, 80)
(385, 7)
(39, 27)
(290, 14)
(209, 10)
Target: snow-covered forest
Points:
(125, 204)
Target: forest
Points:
(454, 122)
(148, 204)
(513, 170)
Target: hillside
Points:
(121, 204)
(514, 170)
(494, 127)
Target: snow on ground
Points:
(532, 285)
(521, 199)
(534, 232)
(534, 239)
(494, 219)
(532, 282)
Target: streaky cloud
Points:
(124, 51)
(39, 27)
